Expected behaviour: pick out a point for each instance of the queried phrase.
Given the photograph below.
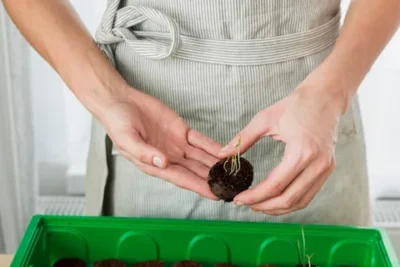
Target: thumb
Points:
(253, 132)
(143, 152)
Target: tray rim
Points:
(29, 238)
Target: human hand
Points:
(306, 121)
(159, 142)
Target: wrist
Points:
(98, 96)
(97, 84)
(331, 85)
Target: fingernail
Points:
(157, 162)
(238, 203)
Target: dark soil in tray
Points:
(71, 262)
(226, 183)
(153, 263)
(226, 265)
(187, 263)
(110, 263)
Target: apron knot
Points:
(117, 26)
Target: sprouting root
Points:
(235, 160)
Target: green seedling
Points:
(235, 160)
(305, 259)
(309, 259)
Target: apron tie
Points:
(115, 28)
(117, 23)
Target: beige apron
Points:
(217, 63)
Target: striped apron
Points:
(217, 63)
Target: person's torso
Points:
(218, 97)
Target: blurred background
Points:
(44, 134)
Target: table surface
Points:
(5, 260)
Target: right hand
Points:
(159, 142)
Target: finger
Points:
(294, 161)
(201, 156)
(134, 145)
(306, 199)
(290, 198)
(249, 135)
(202, 142)
(196, 167)
(278, 212)
(179, 176)
(187, 180)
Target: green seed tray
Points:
(134, 240)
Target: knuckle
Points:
(289, 201)
(303, 205)
(287, 204)
(276, 189)
(310, 151)
(327, 162)
(324, 165)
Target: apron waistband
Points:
(116, 24)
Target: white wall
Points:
(48, 112)
(49, 109)
(380, 106)
(379, 99)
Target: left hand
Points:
(306, 121)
